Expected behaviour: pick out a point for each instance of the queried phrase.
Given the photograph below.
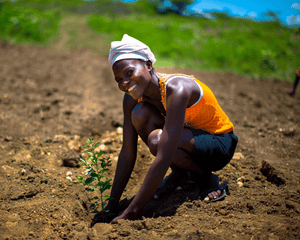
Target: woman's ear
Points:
(149, 65)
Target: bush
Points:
(23, 24)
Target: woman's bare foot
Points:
(212, 196)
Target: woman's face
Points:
(132, 76)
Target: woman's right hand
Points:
(105, 216)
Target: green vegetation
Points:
(25, 24)
(94, 177)
(223, 43)
(244, 46)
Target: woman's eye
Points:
(129, 73)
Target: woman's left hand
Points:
(124, 216)
(115, 220)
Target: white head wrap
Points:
(129, 48)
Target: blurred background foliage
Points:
(22, 24)
(178, 37)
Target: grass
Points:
(243, 46)
(27, 25)
(75, 35)
(239, 45)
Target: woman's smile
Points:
(131, 88)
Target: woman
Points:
(292, 91)
(179, 119)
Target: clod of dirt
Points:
(74, 145)
(272, 174)
(116, 124)
(96, 131)
(71, 159)
(16, 191)
(289, 134)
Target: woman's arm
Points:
(127, 155)
(177, 100)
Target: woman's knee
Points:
(153, 140)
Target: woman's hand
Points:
(124, 215)
(104, 216)
(115, 220)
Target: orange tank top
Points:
(206, 114)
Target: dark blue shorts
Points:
(212, 152)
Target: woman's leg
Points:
(149, 123)
(186, 141)
(292, 91)
(296, 82)
(145, 119)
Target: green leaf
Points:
(80, 178)
(99, 154)
(89, 171)
(94, 175)
(93, 205)
(94, 198)
(94, 159)
(95, 211)
(88, 181)
(95, 154)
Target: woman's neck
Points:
(153, 91)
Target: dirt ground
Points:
(52, 101)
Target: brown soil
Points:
(52, 101)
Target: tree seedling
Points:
(94, 177)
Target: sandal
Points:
(210, 183)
